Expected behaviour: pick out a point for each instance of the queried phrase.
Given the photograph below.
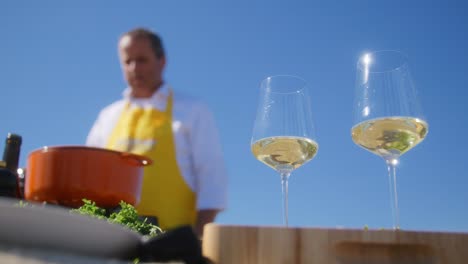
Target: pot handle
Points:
(135, 160)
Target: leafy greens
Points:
(126, 216)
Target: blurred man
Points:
(187, 182)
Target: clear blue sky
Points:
(59, 67)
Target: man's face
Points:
(141, 68)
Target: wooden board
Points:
(277, 245)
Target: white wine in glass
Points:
(388, 118)
(283, 135)
(284, 151)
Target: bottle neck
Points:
(9, 173)
(11, 152)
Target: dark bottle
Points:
(11, 152)
(8, 174)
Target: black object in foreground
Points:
(177, 244)
(93, 237)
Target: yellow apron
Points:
(165, 194)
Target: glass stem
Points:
(391, 166)
(284, 186)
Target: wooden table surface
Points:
(225, 244)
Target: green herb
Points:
(91, 209)
(126, 216)
(21, 204)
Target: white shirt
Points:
(198, 149)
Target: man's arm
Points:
(208, 167)
(204, 217)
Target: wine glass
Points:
(283, 136)
(388, 118)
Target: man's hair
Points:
(155, 40)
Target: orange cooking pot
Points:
(66, 174)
